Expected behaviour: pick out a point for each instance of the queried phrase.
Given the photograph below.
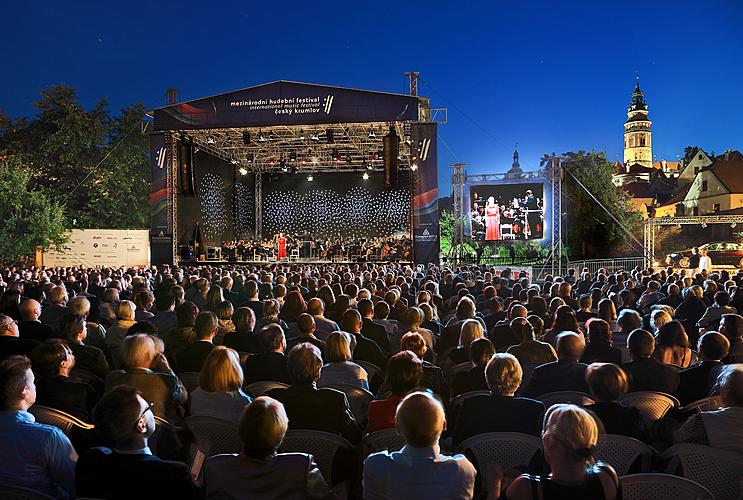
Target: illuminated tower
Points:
(638, 144)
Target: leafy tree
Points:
(591, 232)
(689, 153)
(28, 217)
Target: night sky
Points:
(552, 76)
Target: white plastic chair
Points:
(59, 419)
(260, 388)
(651, 405)
(621, 452)
(572, 397)
(321, 445)
(661, 487)
(386, 439)
(705, 404)
(720, 471)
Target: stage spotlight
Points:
(243, 171)
(365, 176)
(261, 137)
(329, 135)
(310, 178)
(301, 134)
(315, 136)
(210, 140)
(704, 224)
(293, 156)
(336, 154)
(372, 134)
(250, 157)
(732, 226)
(272, 136)
(369, 166)
(414, 167)
(283, 166)
(246, 137)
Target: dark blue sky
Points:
(552, 76)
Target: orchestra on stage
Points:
(518, 218)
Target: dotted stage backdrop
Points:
(334, 205)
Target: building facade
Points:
(638, 141)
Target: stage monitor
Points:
(507, 211)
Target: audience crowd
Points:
(441, 355)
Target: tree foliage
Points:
(90, 161)
(28, 216)
(591, 232)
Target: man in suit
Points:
(696, 381)
(306, 406)
(233, 297)
(565, 374)
(645, 372)
(306, 326)
(500, 411)
(270, 365)
(503, 336)
(129, 469)
(165, 318)
(192, 357)
(324, 326)
(369, 328)
(31, 327)
(10, 342)
(251, 292)
(366, 349)
(51, 314)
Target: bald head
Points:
(570, 346)
(30, 310)
(420, 419)
(315, 306)
(518, 311)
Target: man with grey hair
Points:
(419, 469)
(51, 314)
(565, 374)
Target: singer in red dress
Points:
(492, 220)
(281, 241)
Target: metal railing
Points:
(611, 265)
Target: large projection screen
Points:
(507, 211)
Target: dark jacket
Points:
(164, 390)
(368, 350)
(560, 375)
(245, 342)
(91, 359)
(35, 330)
(63, 393)
(267, 366)
(471, 380)
(503, 337)
(377, 333)
(191, 358)
(617, 419)
(103, 473)
(494, 413)
(11, 346)
(695, 382)
(312, 340)
(649, 374)
(601, 353)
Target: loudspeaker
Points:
(391, 147)
(185, 169)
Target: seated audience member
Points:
(449, 339)
(404, 372)
(433, 376)
(165, 318)
(52, 362)
(149, 371)
(645, 372)
(109, 303)
(481, 350)
(366, 349)
(600, 349)
(381, 317)
(57, 308)
(183, 335)
(500, 411)
(96, 333)
(191, 358)
(672, 346)
(269, 365)
(503, 336)
(270, 316)
(564, 321)
(87, 357)
(711, 317)
(128, 469)
(259, 470)
(585, 313)
(35, 456)
(10, 343)
(419, 470)
(219, 393)
(608, 382)
(719, 428)
(731, 325)
(411, 321)
(369, 328)
(224, 312)
(569, 436)
(324, 326)
(307, 406)
(116, 333)
(144, 301)
(30, 327)
(695, 382)
(659, 317)
(529, 350)
(565, 374)
(339, 368)
(628, 321)
(470, 331)
(244, 338)
(692, 308)
(250, 292)
(306, 328)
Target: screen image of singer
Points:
(507, 211)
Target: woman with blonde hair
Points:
(339, 368)
(214, 297)
(271, 311)
(219, 393)
(115, 335)
(569, 436)
(471, 331)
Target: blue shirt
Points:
(35, 456)
(418, 473)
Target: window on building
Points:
(695, 211)
(642, 139)
(716, 207)
(700, 156)
(704, 185)
(696, 170)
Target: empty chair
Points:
(572, 397)
(63, 421)
(386, 439)
(190, 380)
(321, 445)
(720, 471)
(358, 399)
(651, 405)
(260, 388)
(662, 486)
(621, 452)
(214, 436)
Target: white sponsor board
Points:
(102, 248)
(515, 270)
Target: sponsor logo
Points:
(328, 103)
(95, 245)
(425, 146)
(161, 155)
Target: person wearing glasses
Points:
(127, 468)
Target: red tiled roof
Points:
(730, 172)
(673, 166)
(679, 196)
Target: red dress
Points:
(492, 223)
(282, 248)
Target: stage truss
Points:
(701, 220)
(552, 175)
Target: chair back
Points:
(358, 399)
(321, 445)
(82, 375)
(214, 436)
(621, 452)
(705, 404)
(572, 397)
(527, 369)
(508, 449)
(651, 405)
(644, 486)
(260, 388)
(457, 402)
(372, 370)
(720, 471)
(19, 493)
(59, 419)
(190, 380)
(460, 368)
(386, 439)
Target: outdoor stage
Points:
(284, 262)
(333, 163)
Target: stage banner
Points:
(160, 189)
(102, 248)
(287, 103)
(426, 194)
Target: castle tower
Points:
(638, 144)
(515, 172)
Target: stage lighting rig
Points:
(261, 137)
(293, 156)
(243, 171)
(329, 136)
(314, 136)
(365, 176)
(372, 133)
(250, 157)
(301, 134)
(283, 166)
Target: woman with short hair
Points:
(115, 335)
(219, 393)
(608, 382)
(404, 373)
(339, 368)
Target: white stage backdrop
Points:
(103, 248)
